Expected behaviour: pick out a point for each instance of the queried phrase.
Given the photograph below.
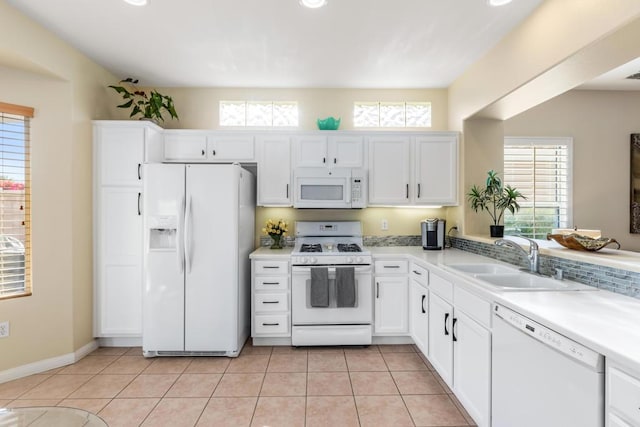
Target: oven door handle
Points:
(358, 269)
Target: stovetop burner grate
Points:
(311, 247)
(348, 247)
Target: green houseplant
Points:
(495, 198)
(150, 105)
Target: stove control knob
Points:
(359, 260)
(312, 260)
(349, 260)
(303, 260)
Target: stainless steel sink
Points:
(483, 268)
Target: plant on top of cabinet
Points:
(495, 198)
(149, 105)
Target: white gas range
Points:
(332, 286)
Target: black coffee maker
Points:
(433, 233)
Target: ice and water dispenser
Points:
(163, 232)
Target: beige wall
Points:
(66, 90)
(600, 123)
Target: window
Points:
(540, 168)
(258, 113)
(15, 203)
(392, 114)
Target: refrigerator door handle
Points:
(187, 236)
(180, 236)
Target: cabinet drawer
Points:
(624, 394)
(271, 302)
(271, 283)
(419, 274)
(442, 287)
(271, 267)
(474, 306)
(271, 324)
(392, 267)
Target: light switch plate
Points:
(4, 329)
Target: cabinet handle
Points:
(271, 266)
(270, 283)
(391, 266)
(423, 298)
(271, 302)
(407, 191)
(453, 329)
(139, 175)
(377, 289)
(418, 190)
(324, 160)
(203, 153)
(335, 160)
(214, 152)
(287, 191)
(139, 212)
(270, 324)
(446, 316)
(417, 272)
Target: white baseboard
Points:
(47, 364)
(120, 342)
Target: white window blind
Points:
(15, 201)
(540, 168)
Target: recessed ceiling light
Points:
(313, 4)
(137, 2)
(498, 2)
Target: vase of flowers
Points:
(275, 230)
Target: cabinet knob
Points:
(214, 152)
(203, 152)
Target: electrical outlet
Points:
(384, 225)
(4, 329)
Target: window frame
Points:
(251, 105)
(27, 113)
(541, 141)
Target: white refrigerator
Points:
(199, 230)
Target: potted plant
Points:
(275, 230)
(495, 198)
(149, 105)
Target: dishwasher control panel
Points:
(551, 338)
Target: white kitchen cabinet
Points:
(119, 150)
(622, 396)
(460, 346)
(413, 170)
(207, 146)
(418, 311)
(270, 298)
(332, 151)
(223, 147)
(471, 367)
(185, 146)
(391, 307)
(436, 170)
(389, 170)
(274, 170)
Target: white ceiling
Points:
(616, 79)
(278, 43)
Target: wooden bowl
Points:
(581, 243)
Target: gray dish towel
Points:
(319, 287)
(346, 287)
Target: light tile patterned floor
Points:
(379, 386)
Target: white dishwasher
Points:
(541, 378)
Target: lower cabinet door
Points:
(418, 312)
(391, 306)
(472, 367)
(440, 337)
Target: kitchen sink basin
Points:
(482, 268)
(529, 282)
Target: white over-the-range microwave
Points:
(324, 188)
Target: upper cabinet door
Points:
(230, 148)
(389, 170)
(121, 154)
(436, 170)
(310, 151)
(274, 170)
(185, 146)
(346, 151)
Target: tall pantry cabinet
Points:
(119, 150)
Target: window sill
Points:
(16, 295)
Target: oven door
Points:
(322, 188)
(304, 314)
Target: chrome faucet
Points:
(532, 256)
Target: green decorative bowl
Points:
(328, 124)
